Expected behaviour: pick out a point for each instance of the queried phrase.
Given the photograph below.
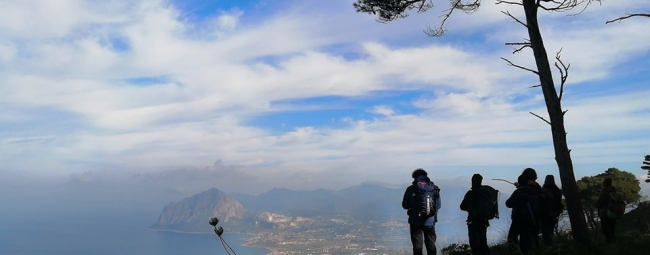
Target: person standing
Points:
(477, 223)
(526, 208)
(607, 224)
(422, 201)
(553, 208)
(515, 221)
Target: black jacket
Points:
(519, 199)
(470, 204)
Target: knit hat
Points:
(419, 172)
(607, 182)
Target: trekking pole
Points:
(504, 181)
(219, 230)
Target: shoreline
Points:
(246, 243)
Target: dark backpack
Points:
(552, 202)
(488, 202)
(423, 201)
(615, 206)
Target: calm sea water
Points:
(105, 233)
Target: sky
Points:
(176, 97)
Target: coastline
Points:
(179, 231)
(247, 241)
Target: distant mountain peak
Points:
(195, 211)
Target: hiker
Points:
(513, 231)
(607, 224)
(525, 202)
(553, 208)
(422, 202)
(480, 203)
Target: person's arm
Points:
(513, 200)
(464, 205)
(406, 200)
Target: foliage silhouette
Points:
(646, 166)
(590, 187)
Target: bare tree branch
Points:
(535, 86)
(520, 67)
(542, 118)
(508, 2)
(522, 45)
(513, 17)
(627, 16)
(564, 72)
(564, 112)
(470, 7)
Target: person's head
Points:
(530, 174)
(418, 172)
(607, 182)
(521, 180)
(549, 180)
(476, 180)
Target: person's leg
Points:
(473, 238)
(608, 228)
(430, 240)
(484, 248)
(546, 231)
(513, 236)
(416, 239)
(526, 242)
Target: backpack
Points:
(615, 206)
(553, 206)
(488, 202)
(423, 201)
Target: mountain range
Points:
(365, 202)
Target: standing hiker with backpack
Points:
(481, 205)
(526, 203)
(553, 208)
(610, 208)
(422, 202)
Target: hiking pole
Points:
(504, 181)
(219, 231)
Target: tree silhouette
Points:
(646, 166)
(590, 187)
(389, 10)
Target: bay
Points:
(114, 232)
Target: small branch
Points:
(538, 85)
(522, 44)
(520, 67)
(508, 2)
(629, 16)
(564, 72)
(513, 17)
(469, 7)
(564, 112)
(541, 118)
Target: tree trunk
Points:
(556, 118)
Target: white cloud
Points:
(234, 70)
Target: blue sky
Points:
(303, 95)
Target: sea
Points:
(113, 232)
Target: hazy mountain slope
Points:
(193, 213)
